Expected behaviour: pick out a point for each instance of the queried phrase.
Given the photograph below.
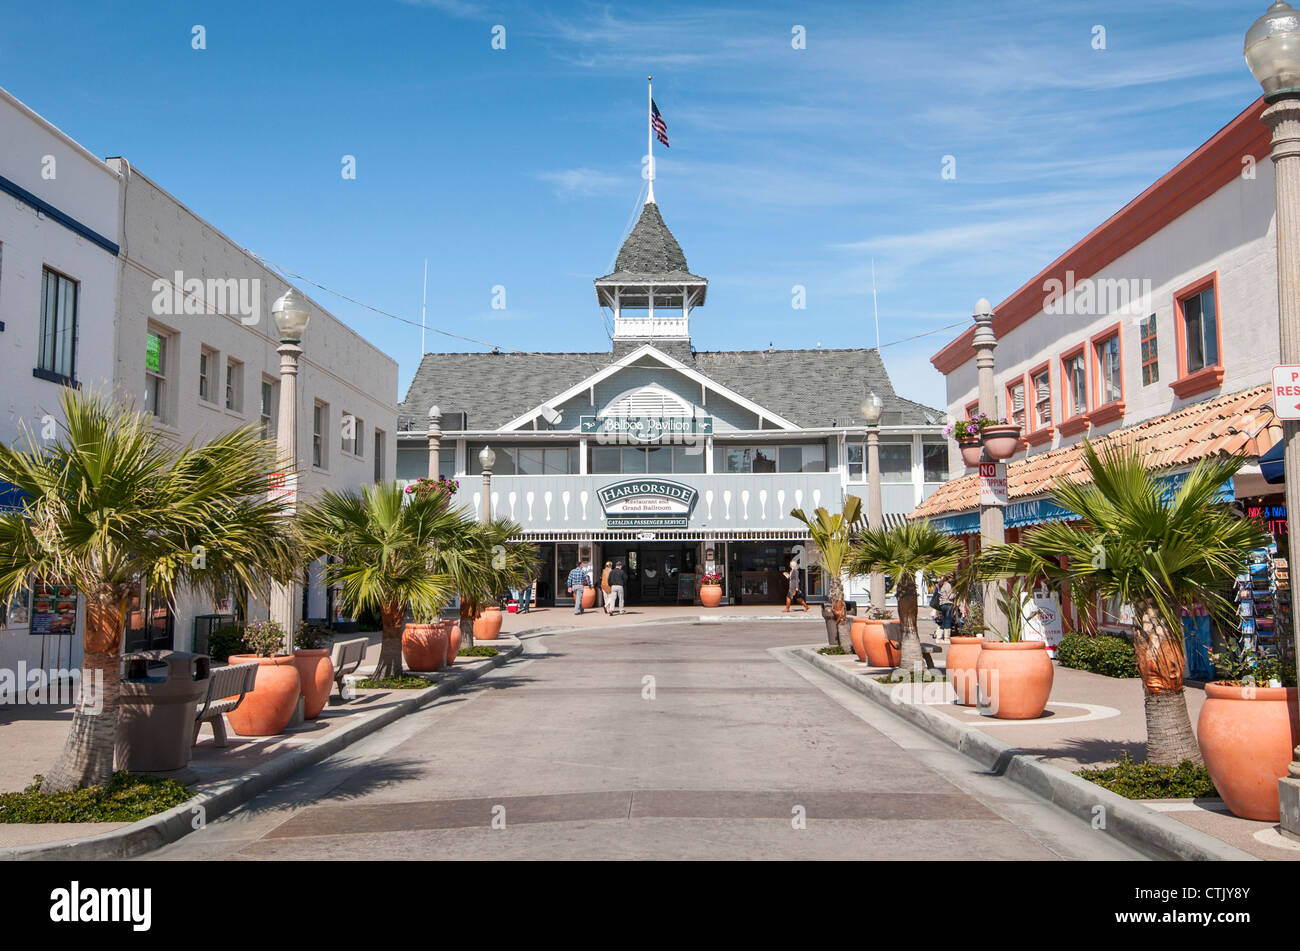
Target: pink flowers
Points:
(427, 486)
(969, 430)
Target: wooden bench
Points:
(347, 656)
(227, 687)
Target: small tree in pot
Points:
(904, 551)
(832, 534)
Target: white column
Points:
(285, 599)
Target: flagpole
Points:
(875, 306)
(424, 300)
(650, 137)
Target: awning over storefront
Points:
(1226, 425)
(1273, 464)
(11, 497)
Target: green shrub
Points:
(405, 682)
(1106, 654)
(832, 650)
(310, 635)
(478, 651)
(225, 641)
(264, 638)
(1135, 780)
(125, 799)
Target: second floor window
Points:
(155, 375)
(1109, 383)
(1040, 385)
(1076, 384)
(318, 417)
(207, 366)
(1150, 356)
(1200, 330)
(267, 413)
(1016, 403)
(58, 345)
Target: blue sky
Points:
(521, 167)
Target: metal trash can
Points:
(155, 730)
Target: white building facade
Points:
(171, 315)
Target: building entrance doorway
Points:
(657, 572)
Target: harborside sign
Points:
(647, 503)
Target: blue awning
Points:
(11, 497)
(1273, 464)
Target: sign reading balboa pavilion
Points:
(647, 503)
(647, 428)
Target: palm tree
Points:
(832, 535)
(111, 502)
(903, 551)
(383, 543)
(1145, 546)
(483, 560)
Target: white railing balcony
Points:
(673, 326)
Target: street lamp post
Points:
(992, 530)
(487, 459)
(1273, 54)
(871, 411)
(291, 316)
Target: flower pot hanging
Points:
(1001, 442)
(971, 452)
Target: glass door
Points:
(566, 559)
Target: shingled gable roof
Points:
(812, 388)
(1227, 425)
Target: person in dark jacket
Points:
(617, 584)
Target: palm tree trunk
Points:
(87, 757)
(468, 612)
(911, 659)
(1160, 660)
(393, 620)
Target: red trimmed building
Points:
(1159, 327)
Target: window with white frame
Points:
(319, 422)
(234, 386)
(155, 374)
(268, 408)
(1040, 385)
(379, 455)
(1109, 384)
(895, 461)
(207, 372)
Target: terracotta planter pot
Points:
(316, 671)
(453, 644)
(876, 643)
(588, 599)
(1013, 680)
(424, 646)
(1001, 442)
(962, 657)
(488, 624)
(268, 708)
(711, 595)
(1246, 736)
(856, 633)
(971, 453)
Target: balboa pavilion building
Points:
(673, 460)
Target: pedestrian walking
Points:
(577, 581)
(947, 596)
(617, 584)
(793, 591)
(526, 598)
(604, 585)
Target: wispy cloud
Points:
(583, 182)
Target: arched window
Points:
(649, 400)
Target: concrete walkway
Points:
(674, 740)
(1092, 721)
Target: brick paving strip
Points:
(1149, 830)
(258, 764)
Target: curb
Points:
(153, 832)
(1127, 821)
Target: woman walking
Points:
(793, 591)
(947, 608)
(604, 586)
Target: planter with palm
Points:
(483, 560)
(1157, 549)
(110, 502)
(832, 534)
(904, 551)
(384, 543)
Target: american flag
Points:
(656, 120)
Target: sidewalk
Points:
(33, 737)
(1091, 721)
(595, 617)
